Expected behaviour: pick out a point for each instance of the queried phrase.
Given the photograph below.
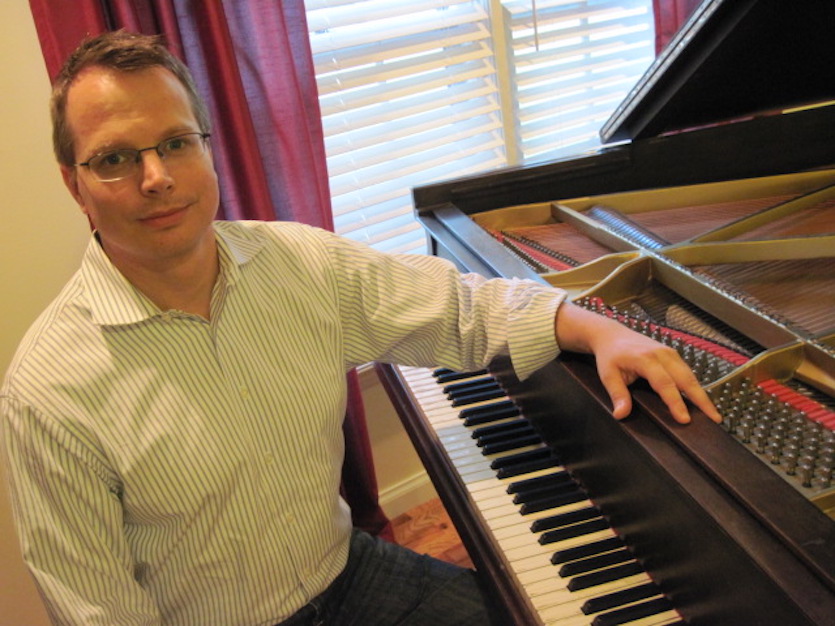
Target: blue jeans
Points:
(384, 584)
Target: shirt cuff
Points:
(532, 340)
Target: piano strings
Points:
(800, 293)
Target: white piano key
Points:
(564, 607)
(579, 619)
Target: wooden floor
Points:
(427, 529)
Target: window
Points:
(415, 92)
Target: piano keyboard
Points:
(572, 566)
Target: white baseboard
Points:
(407, 494)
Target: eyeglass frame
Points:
(138, 152)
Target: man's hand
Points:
(623, 356)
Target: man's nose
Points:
(155, 174)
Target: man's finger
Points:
(619, 394)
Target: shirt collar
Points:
(114, 301)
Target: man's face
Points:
(160, 216)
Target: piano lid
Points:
(733, 59)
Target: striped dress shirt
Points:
(167, 469)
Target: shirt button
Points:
(269, 459)
(244, 393)
(290, 518)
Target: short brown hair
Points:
(124, 52)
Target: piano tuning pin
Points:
(728, 423)
(799, 420)
(824, 477)
(811, 440)
(789, 463)
(773, 453)
(758, 439)
(794, 439)
(790, 449)
(804, 472)
(746, 428)
(822, 482)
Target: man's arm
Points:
(70, 524)
(623, 356)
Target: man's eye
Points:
(176, 144)
(113, 159)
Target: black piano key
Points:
(540, 482)
(511, 444)
(531, 496)
(525, 462)
(485, 433)
(602, 576)
(632, 612)
(470, 386)
(475, 416)
(527, 468)
(521, 457)
(562, 499)
(563, 519)
(595, 562)
(465, 399)
(443, 375)
(557, 489)
(587, 549)
(575, 530)
(619, 598)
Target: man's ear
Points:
(70, 176)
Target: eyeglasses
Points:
(118, 164)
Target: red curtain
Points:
(252, 63)
(669, 16)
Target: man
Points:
(172, 422)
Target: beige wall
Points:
(41, 239)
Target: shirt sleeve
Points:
(70, 524)
(420, 310)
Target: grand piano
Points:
(707, 220)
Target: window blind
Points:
(575, 62)
(415, 92)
